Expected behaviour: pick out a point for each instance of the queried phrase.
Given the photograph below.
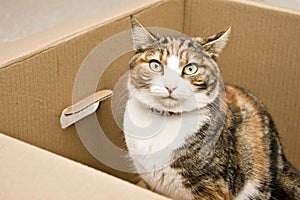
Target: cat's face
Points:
(174, 73)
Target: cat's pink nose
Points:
(170, 90)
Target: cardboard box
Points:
(28, 172)
(37, 76)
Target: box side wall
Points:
(262, 55)
(28, 172)
(35, 89)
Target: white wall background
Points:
(20, 18)
(295, 4)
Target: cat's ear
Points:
(141, 37)
(215, 43)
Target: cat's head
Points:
(174, 73)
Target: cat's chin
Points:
(170, 104)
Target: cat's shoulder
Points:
(239, 96)
(236, 90)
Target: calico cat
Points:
(190, 136)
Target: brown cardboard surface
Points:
(37, 74)
(262, 55)
(37, 86)
(27, 172)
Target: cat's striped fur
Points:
(245, 162)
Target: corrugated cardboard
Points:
(37, 86)
(262, 55)
(37, 73)
(27, 172)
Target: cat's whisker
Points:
(121, 102)
(125, 90)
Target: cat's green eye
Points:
(155, 65)
(190, 69)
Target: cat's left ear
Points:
(141, 37)
(215, 43)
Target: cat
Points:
(192, 137)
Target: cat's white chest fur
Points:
(151, 139)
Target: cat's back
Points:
(256, 137)
(245, 108)
(251, 123)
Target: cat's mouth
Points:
(169, 102)
(170, 97)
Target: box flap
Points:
(27, 172)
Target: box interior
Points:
(37, 74)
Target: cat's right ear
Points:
(215, 43)
(141, 37)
